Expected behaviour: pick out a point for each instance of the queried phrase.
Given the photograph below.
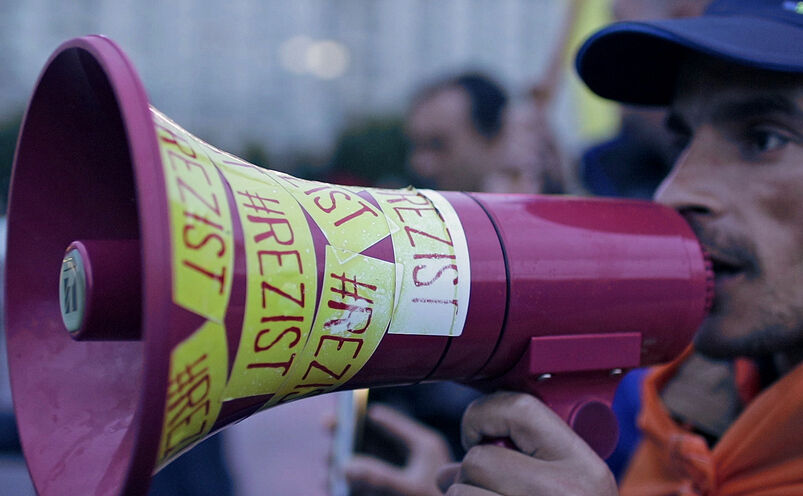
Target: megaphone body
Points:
(195, 289)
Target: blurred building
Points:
(284, 74)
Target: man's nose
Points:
(692, 186)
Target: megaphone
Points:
(159, 289)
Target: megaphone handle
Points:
(576, 376)
(590, 415)
(593, 419)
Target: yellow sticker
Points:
(200, 223)
(348, 221)
(432, 266)
(282, 281)
(198, 368)
(356, 304)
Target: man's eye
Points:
(761, 140)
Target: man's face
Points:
(445, 147)
(739, 182)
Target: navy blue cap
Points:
(637, 62)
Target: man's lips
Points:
(725, 266)
(732, 254)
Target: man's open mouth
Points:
(726, 267)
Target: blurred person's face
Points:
(633, 10)
(639, 10)
(739, 182)
(445, 147)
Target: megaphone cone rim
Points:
(134, 111)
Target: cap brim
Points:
(637, 62)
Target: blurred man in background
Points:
(455, 130)
(465, 134)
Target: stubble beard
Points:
(760, 323)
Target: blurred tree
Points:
(256, 154)
(371, 153)
(9, 130)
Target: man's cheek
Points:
(779, 193)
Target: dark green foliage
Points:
(9, 130)
(373, 152)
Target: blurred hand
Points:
(516, 167)
(427, 449)
(550, 458)
(528, 153)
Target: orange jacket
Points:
(761, 454)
